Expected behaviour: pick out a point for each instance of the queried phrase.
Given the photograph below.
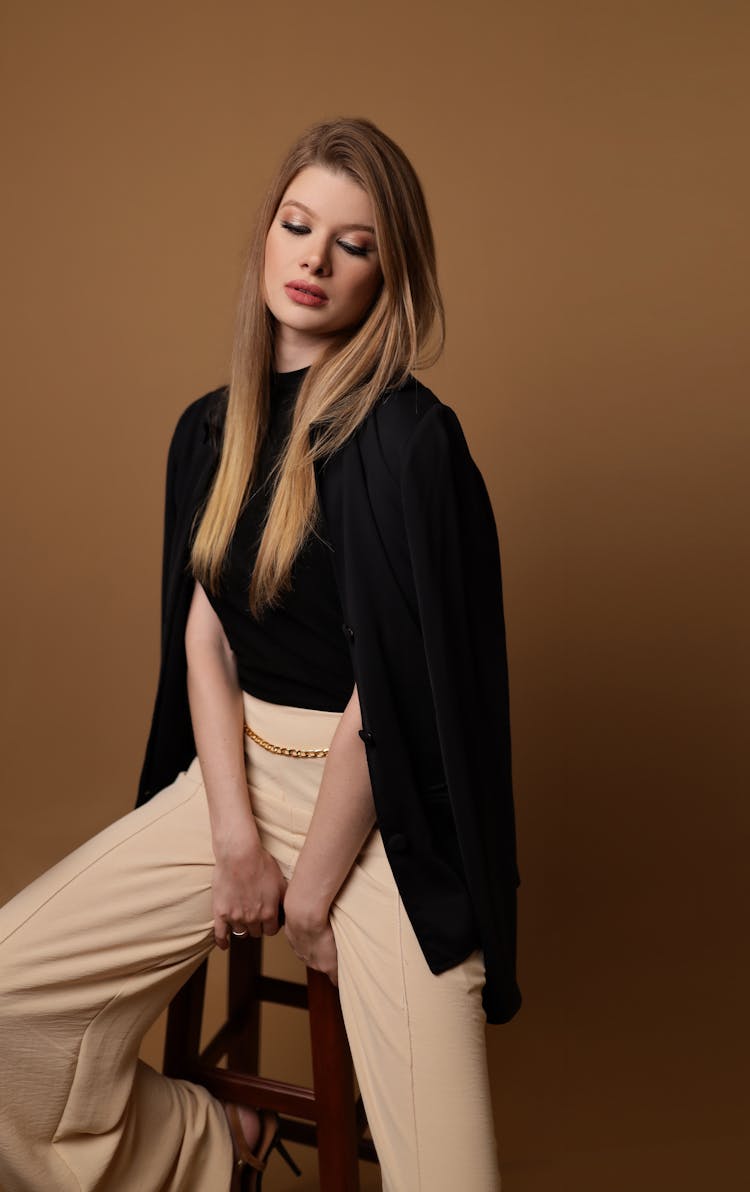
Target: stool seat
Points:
(333, 1120)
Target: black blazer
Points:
(407, 514)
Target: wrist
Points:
(308, 909)
(235, 838)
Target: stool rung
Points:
(306, 1135)
(282, 992)
(270, 989)
(229, 1085)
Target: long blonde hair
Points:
(403, 329)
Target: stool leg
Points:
(243, 1003)
(184, 1018)
(333, 1079)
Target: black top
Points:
(296, 653)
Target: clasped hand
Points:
(310, 935)
(247, 890)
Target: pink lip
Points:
(306, 293)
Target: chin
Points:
(308, 326)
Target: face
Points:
(322, 269)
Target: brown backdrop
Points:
(582, 166)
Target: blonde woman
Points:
(329, 751)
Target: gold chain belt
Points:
(287, 752)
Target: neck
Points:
(294, 349)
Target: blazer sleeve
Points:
(170, 728)
(455, 556)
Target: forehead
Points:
(332, 198)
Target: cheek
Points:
(275, 260)
(365, 288)
(272, 272)
(269, 264)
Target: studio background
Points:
(582, 164)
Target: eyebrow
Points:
(345, 227)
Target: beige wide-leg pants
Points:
(93, 950)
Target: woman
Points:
(358, 779)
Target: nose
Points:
(315, 257)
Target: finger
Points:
(246, 923)
(220, 933)
(271, 925)
(238, 930)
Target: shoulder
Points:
(411, 419)
(199, 425)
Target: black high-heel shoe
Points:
(250, 1165)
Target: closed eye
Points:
(354, 250)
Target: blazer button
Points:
(398, 843)
(348, 631)
(366, 736)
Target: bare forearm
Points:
(342, 820)
(217, 713)
(247, 885)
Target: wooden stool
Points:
(332, 1119)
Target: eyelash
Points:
(301, 230)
